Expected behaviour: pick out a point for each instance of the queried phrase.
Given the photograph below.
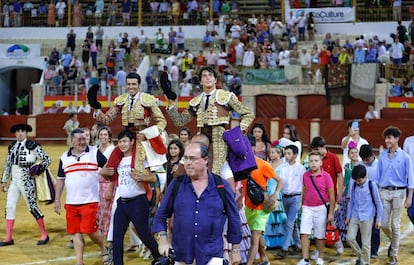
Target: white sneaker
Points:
(303, 262)
(139, 248)
(339, 247)
(142, 252)
(320, 261)
(147, 255)
(315, 255)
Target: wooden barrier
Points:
(49, 128)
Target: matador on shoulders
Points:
(138, 110)
(212, 110)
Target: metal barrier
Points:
(363, 14)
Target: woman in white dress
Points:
(290, 136)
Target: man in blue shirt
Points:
(359, 54)
(66, 59)
(395, 176)
(364, 206)
(17, 12)
(199, 214)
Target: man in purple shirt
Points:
(395, 176)
(199, 214)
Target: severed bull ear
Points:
(166, 87)
(93, 97)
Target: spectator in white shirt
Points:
(211, 58)
(239, 54)
(142, 40)
(248, 58)
(284, 56)
(60, 7)
(305, 62)
(291, 21)
(301, 26)
(85, 108)
(235, 30)
(396, 51)
(161, 64)
(371, 114)
(70, 108)
(185, 88)
(277, 29)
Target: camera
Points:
(165, 260)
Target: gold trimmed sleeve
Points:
(246, 115)
(180, 119)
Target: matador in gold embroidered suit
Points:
(212, 109)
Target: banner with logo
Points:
(19, 51)
(325, 15)
(264, 76)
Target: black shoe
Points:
(43, 242)
(389, 251)
(358, 262)
(282, 254)
(6, 243)
(295, 251)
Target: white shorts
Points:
(314, 218)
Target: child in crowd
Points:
(371, 165)
(274, 230)
(318, 190)
(340, 213)
(364, 208)
(276, 157)
(291, 175)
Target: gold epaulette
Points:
(121, 100)
(147, 100)
(194, 102)
(223, 96)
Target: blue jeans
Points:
(397, 61)
(291, 205)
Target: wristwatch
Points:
(160, 234)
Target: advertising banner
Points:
(19, 51)
(325, 15)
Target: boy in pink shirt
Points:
(318, 190)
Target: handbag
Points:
(254, 191)
(331, 235)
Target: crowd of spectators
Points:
(91, 64)
(16, 13)
(230, 46)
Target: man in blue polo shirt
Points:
(199, 214)
(395, 176)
